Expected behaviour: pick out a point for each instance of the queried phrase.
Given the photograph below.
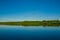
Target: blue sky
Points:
(19, 10)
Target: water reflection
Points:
(29, 33)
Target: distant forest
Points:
(33, 23)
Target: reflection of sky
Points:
(29, 10)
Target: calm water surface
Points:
(29, 33)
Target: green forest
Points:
(33, 23)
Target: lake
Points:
(29, 33)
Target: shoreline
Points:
(33, 23)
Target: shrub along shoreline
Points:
(33, 23)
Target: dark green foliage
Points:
(33, 23)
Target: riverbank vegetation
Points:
(34, 23)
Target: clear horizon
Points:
(21, 10)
